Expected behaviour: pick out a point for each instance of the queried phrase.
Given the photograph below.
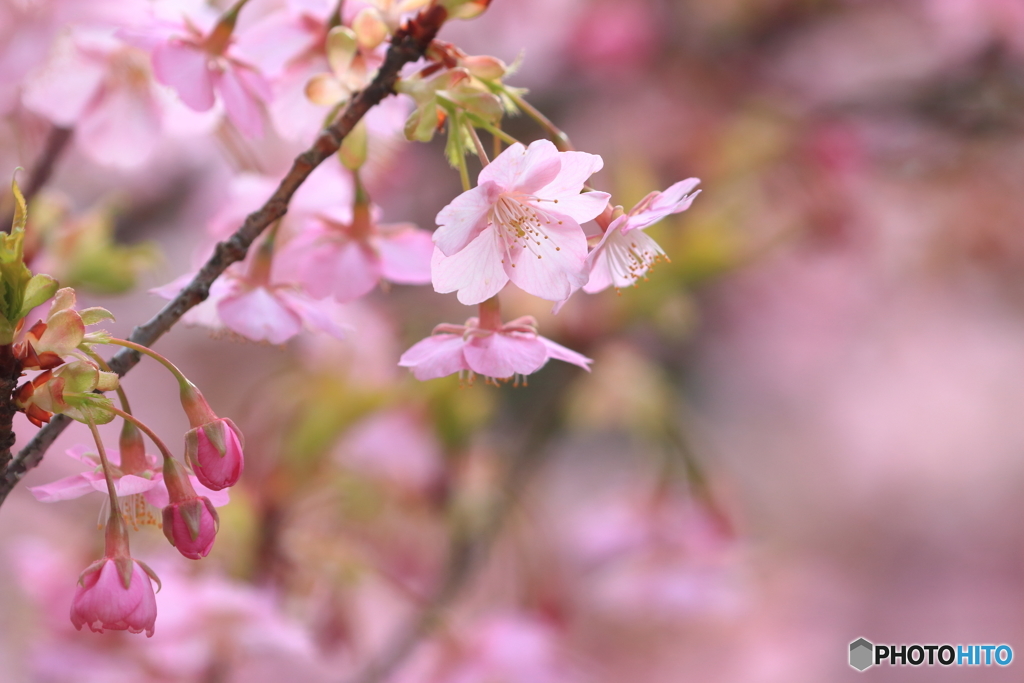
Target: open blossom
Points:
(198, 65)
(520, 223)
(147, 483)
(257, 308)
(347, 258)
(625, 253)
(105, 90)
(511, 349)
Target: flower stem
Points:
(121, 396)
(495, 131)
(105, 465)
(490, 314)
(460, 151)
(178, 375)
(471, 129)
(556, 134)
(145, 430)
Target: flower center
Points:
(522, 224)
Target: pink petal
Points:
(88, 455)
(260, 316)
(559, 269)
(67, 488)
(436, 356)
(357, 271)
(130, 484)
(559, 352)
(597, 268)
(242, 106)
(600, 276)
(63, 88)
(465, 217)
(576, 169)
(318, 316)
(503, 355)
(184, 67)
(121, 128)
(275, 40)
(581, 207)
(658, 205)
(476, 271)
(405, 253)
(522, 169)
(218, 498)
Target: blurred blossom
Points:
(396, 446)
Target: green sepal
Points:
(192, 513)
(39, 290)
(215, 433)
(124, 569)
(151, 574)
(95, 314)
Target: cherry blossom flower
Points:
(136, 488)
(256, 308)
(512, 349)
(347, 258)
(103, 88)
(214, 450)
(520, 223)
(625, 253)
(103, 600)
(199, 65)
(397, 446)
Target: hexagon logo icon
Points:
(861, 654)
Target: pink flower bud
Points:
(215, 452)
(191, 526)
(115, 593)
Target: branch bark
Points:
(407, 45)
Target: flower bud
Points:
(215, 452)
(191, 526)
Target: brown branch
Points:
(471, 542)
(407, 45)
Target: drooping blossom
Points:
(254, 307)
(213, 447)
(135, 489)
(190, 521)
(625, 253)
(498, 353)
(347, 257)
(104, 89)
(200, 65)
(103, 600)
(115, 592)
(520, 223)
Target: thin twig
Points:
(55, 144)
(469, 550)
(407, 45)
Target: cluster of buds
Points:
(70, 379)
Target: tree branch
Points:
(408, 44)
(471, 546)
